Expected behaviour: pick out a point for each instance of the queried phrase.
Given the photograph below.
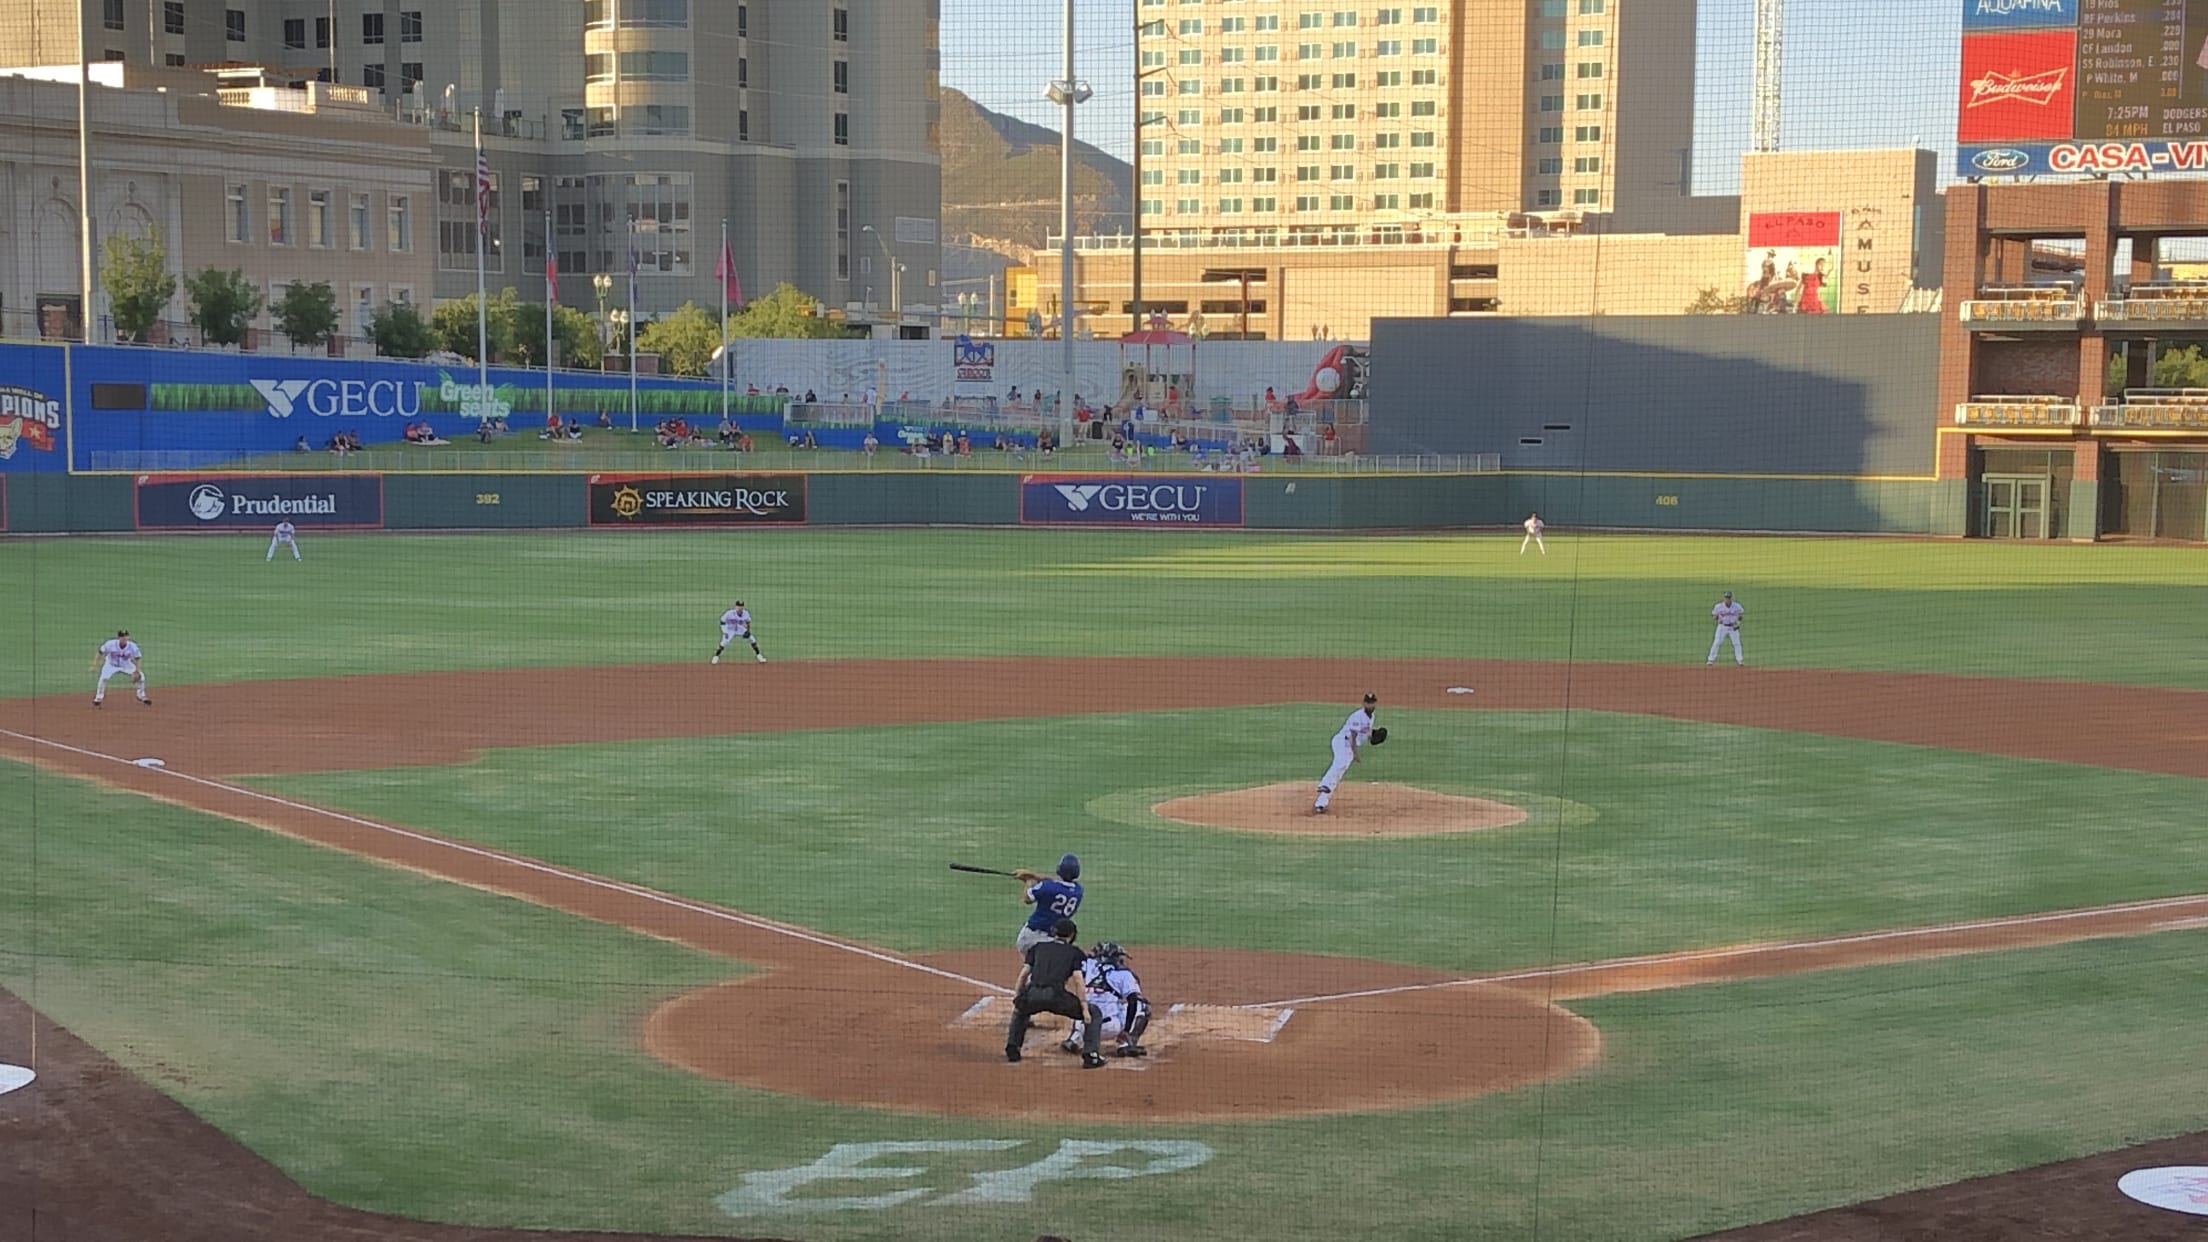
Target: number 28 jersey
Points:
(1054, 900)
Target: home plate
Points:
(14, 1078)
(150, 763)
(1458, 690)
(1176, 1024)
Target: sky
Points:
(1858, 73)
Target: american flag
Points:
(551, 276)
(726, 271)
(482, 189)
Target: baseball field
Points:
(466, 896)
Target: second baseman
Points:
(735, 624)
(1728, 614)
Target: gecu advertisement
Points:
(231, 502)
(697, 500)
(1114, 500)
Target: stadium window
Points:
(172, 16)
(111, 14)
(371, 29)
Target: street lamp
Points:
(896, 282)
(603, 283)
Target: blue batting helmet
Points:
(1069, 868)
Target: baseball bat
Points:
(978, 870)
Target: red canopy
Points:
(1157, 336)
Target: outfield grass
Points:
(1661, 834)
(402, 1044)
(209, 608)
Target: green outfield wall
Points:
(107, 503)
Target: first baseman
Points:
(120, 655)
(285, 536)
(1355, 732)
(735, 624)
(1728, 616)
(1534, 526)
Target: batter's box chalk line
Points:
(1180, 1023)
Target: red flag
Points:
(551, 276)
(726, 271)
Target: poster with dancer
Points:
(1793, 262)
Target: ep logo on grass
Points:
(775, 1192)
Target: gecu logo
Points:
(342, 398)
(1133, 497)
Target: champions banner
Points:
(1121, 500)
(258, 502)
(697, 500)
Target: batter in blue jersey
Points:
(1053, 899)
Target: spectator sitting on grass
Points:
(605, 421)
(551, 427)
(727, 433)
(965, 446)
(1289, 447)
(743, 441)
(809, 442)
(574, 431)
(483, 431)
(870, 444)
(301, 447)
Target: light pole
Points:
(896, 283)
(1066, 92)
(1142, 31)
(603, 283)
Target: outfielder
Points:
(1534, 526)
(1115, 996)
(735, 624)
(120, 655)
(1728, 616)
(285, 536)
(1354, 733)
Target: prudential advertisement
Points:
(1118, 500)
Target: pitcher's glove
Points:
(1379, 735)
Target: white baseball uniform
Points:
(1108, 989)
(284, 537)
(1355, 732)
(735, 624)
(120, 655)
(1534, 527)
(1728, 614)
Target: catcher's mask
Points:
(1110, 953)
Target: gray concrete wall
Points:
(1726, 394)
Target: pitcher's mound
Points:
(1360, 809)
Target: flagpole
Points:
(632, 327)
(551, 293)
(723, 264)
(482, 299)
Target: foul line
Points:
(1752, 950)
(529, 864)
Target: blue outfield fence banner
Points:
(1123, 500)
(697, 500)
(34, 433)
(234, 502)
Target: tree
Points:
(1711, 302)
(2182, 367)
(575, 332)
(223, 304)
(135, 272)
(789, 313)
(306, 314)
(399, 331)
(686, 339)
(454, 324)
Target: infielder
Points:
(735, 624)
(1115, 996)
(1728, 616)
(1354, 733)
(285, 536)
(120, 655)
(1534, 526)
(1053, 899)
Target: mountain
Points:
(1000, 181)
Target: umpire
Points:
(1042, 989)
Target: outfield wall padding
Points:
(38, 503)
(466, 501)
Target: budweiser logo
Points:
(2033, 88)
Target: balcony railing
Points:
(2018, 411)
(2024, 306)
(1432, 237)
(2155, 409)
(2160, 302)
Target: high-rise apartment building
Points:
(1304, 118)
(808, 125)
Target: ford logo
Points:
(2000, 159)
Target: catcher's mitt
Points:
(1379, 735)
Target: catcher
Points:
(1355, 732)
(1115, 996)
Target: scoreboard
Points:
(2083, 86)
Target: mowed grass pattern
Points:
(209, 608)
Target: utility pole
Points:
(1066, 92)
